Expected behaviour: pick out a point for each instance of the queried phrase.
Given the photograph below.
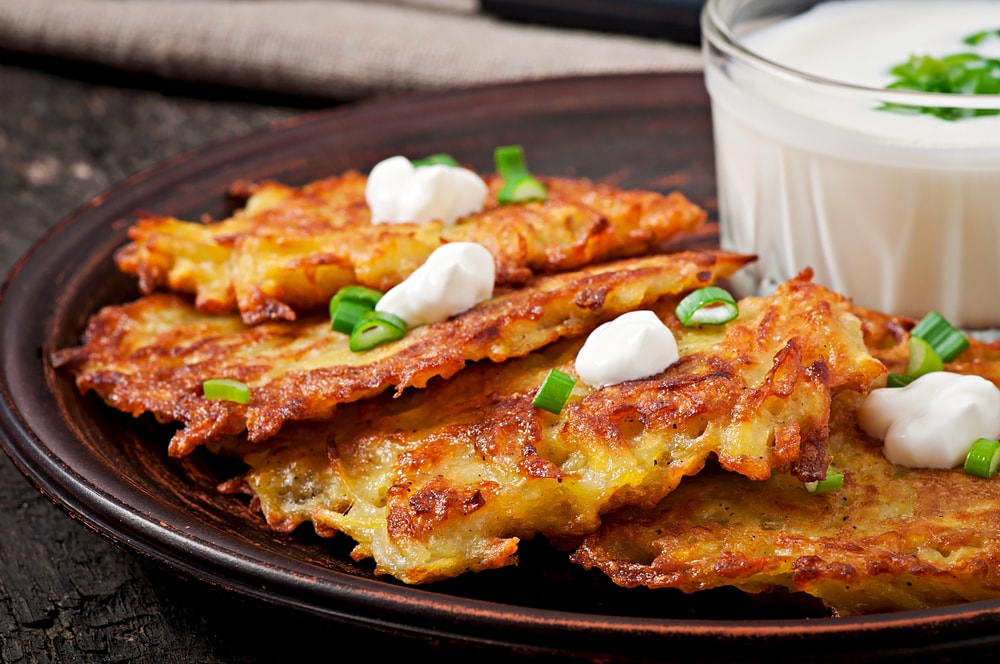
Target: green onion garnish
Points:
(980, 37)
(961, 73)
(359, 293)
(347, 314)
(226, 389)
(525, 189)
(923, 358)
(898, 380)
(984, 458)
(947, 341)
(933, 341)
(374, 328)
(832, 482)
(349, 305)
(707, 306)
(440, 158)
(554, 392)
(519, 185)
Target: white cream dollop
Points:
(398, 192)
(453, 279)
(933, 421)
(635, 345)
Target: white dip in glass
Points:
(899, 210)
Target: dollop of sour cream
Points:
(453, 279)
(635, 345)
(933, 421)
(398, 192)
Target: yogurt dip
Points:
(635, 345)
(900, 211)
(455, 277)
(399, 192)
(933, 421)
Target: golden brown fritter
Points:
(153, 355)
(893, 538)
(449, 479)
(290, 249)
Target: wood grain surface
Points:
(68, 594)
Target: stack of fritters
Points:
(893, 538)
(428, 452)
(153, 355)
(448, 479)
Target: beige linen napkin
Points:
(340, 49)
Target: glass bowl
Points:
(897, 208)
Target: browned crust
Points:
(153, 355)
(290, 249)
(449, 479)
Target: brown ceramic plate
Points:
(112, 473)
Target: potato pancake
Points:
(893, 538)
(290, 249)
(449, 479)
(153, 355)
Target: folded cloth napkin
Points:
(340, 49)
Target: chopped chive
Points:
(524, 189)
(707, 306)
(375, 328)
(520, 186)
(349, 305)
(440, 158)
(226, 389)
(898, 380)
(947, 341)
(983, 459)
(554, 392)
(960, 73)
(833, 481)
(979, 37)
(923, 358)
(933, 341)
(347, 314)
(357, 293)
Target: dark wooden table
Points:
(68, 594)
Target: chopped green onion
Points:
(358, 293)
(979, 37)
(933, 341)
(226, 389)
(898, 380)
(347, 314)
(375, 328)
(519, 185)
(554, 392)
(984, 458)
(352, 311)
(947, 341)
(440, 158)
(349, 305)
(707, 306)
(923, 358)
(960, 73)
(833, 481)
(525, 189)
